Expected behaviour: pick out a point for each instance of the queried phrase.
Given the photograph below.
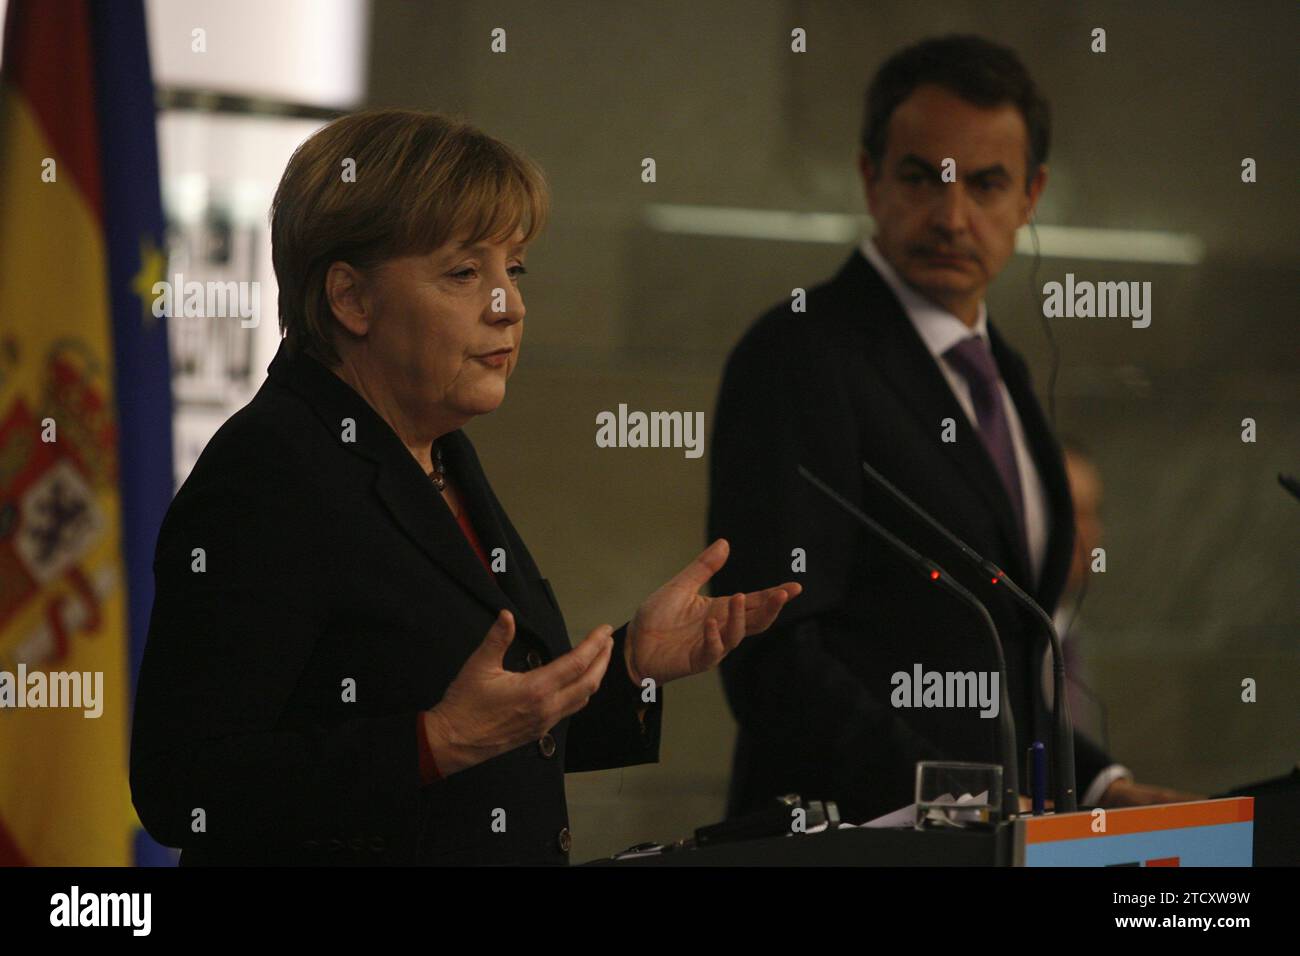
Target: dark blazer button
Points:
(377, 844)
(335, 844)
(547, 746)
(534, 660)
(355, 844)
(311, 844)
(564, 840)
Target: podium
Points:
(1200, 833)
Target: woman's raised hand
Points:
(677, 631)
(488, 710)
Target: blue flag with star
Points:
(134, 236)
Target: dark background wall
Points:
(1200, 590)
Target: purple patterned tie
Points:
(973, 360)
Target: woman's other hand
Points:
(677, 631)
(489, 710)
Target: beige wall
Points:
(1200, 590)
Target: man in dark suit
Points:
(894, 362)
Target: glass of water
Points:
(952, 794)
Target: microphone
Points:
(1063, 752)
(1289, 483)
(1006, 723)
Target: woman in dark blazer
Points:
(352, 657)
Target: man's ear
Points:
(1034, 190)
(868, 173)
(345, 293)
(865, 167)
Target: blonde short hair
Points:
(420, 180)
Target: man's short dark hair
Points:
(979, 71)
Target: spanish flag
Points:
(85, 423)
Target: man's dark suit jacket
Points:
(851, 380)
(331, 561)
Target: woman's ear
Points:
(344, 290)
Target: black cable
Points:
(1053, 372)
(1096, 699)
(1047, 326)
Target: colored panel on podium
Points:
(1204, 833)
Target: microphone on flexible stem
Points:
(1063, 752)
(1006, 724)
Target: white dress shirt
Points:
(940, 330)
